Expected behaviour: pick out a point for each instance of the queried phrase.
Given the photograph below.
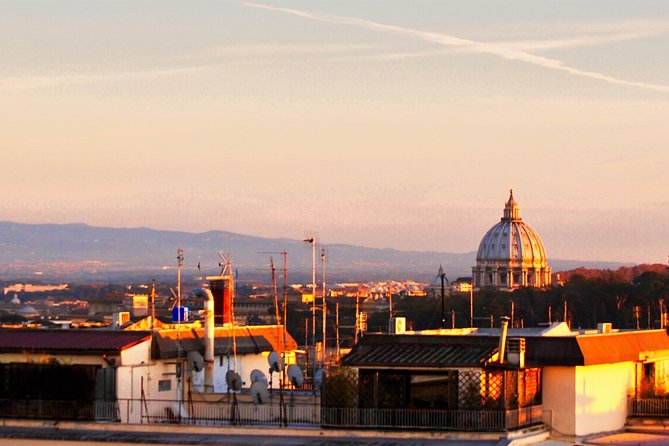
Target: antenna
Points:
(312, 241)
(180, 263)
(275, 362)
(233, 380)
(295, 374)
(195, 361)
(225, 264)
(325, 311)
(259, 392)
(257, 375)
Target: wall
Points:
(245, 365)
(587, 399)
(601, 397)
(559, 399)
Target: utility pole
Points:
(471, 306)
(442, 276)
(312, 241)
(338, 351)
(325, 311)
(285, 296)
(180, 263)
(390, 310)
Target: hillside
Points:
(79, 251)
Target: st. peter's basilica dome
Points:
(511, 254)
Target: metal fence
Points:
(218, 413)
(229, 412)
(58, 409)
(648, 407)
(461, 420)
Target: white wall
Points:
(601, 397)
(137, 354)
(558, 399)
(245, 365)
(587, 399)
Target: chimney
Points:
(208, 339)
(604, 327)
(502, 338)
(516, 352)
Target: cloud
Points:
(473, 46)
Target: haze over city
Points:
(399, 124)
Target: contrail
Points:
(463, 44)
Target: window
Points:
(164, 385)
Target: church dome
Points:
(511, 254)
(511, 239)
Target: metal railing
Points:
(227, 413)
(58, 409)
(462, 420)
(218, 413)
(648, 407)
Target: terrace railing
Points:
(226, 413)
(648, 407)
(460, 420)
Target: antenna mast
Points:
(180, 263)
(312, 241)
(325, 311)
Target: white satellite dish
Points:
(319, 376)
(257, 375)
(275, 362)
(195, 361)
(259, 392)
(233, 380)
(295, 374)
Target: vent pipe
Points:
(502, 339)
(208, 339)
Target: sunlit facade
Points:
(511, 254)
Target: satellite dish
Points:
(195, 361)
(233, 380)
(259, 393)
(257, 375)
(319, 376)
(275, 362)
(295, 374)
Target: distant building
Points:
(462, 285)
(511, 254)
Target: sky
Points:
(383, 123)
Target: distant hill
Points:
(81, 252)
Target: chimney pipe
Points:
(502, 339)
(208, 339)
